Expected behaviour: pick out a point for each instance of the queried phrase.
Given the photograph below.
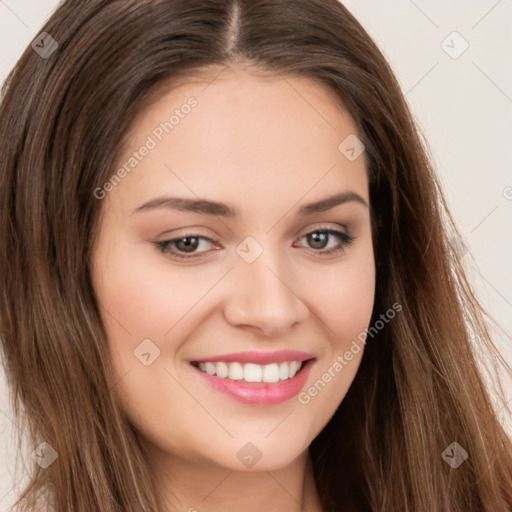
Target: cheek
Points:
(343, 295)
(148, 299)
(347, 301)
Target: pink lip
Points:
(259, 357)
(259, 393)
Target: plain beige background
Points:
(453, 62)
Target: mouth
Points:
(254, 383)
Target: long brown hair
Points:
(63, 119)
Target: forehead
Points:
(246, 137)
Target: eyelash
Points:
(344, 238)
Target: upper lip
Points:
(258, 357)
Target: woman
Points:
(228, 277)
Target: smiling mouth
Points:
(251, 372)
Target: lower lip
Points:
(259, 393)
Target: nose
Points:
(264, 297)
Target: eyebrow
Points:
(207, 207)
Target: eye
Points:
(320, 239)
(186, 246)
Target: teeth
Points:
(251, 372)
(283, 371)
(271, 373)
(236, 371)
(210, 368)
(222, 370)
(294, 368)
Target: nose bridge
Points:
(263, 292)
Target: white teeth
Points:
(271, 373)
(283, 371)
(251, 372)
(222, 370)
(236, 371)
(294, 367)
(210, 368)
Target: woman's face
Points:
(262, 261)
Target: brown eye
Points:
(187, 244)
(184, 246)
(320, 239)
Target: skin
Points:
(266, 146)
